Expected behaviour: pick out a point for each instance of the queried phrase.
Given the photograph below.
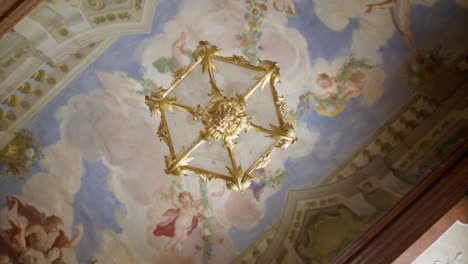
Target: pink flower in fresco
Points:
(285, 5)
(20, 163)
(28, 164)
(29, 153)
(218, 193)
(255, 12)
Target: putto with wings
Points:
(33, 235)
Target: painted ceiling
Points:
(82, 167)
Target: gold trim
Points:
(223, 118)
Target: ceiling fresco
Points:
(83, 170)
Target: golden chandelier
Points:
(223, 117)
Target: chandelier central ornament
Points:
(224, 118)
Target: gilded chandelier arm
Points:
(208, 175)
(207, 52)
(260, 128)
(269, 73)
(158, 104)
(229, 148)
(280, 105)
(166, 136)
(179, 75)
(285, 134)
(261, 82)
(239, 180)
(264, 158)
(175, 165)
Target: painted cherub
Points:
(333, 89)
(179, 51)
(34, 237)
(332, 93)
(285, 5)
(328, 88)
(181, 220)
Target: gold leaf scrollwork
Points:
(237, 59)
(264, 161)
(95, 5)
(241, 181)
(270, 73)
(206, 51)
(158, 105)
(179, 73)
(176, 168)
(197, 112)
(281, 104)
(206, 176)
(285, 135)
(224, 118)
(162, 132)
(156, 102)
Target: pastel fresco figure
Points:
(331, 93)
(285, 5)
(181, 220)
(400, 11)
(179, 51)
(34, 236)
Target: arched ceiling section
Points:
(362, 82)
(53, 44)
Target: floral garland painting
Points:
(256, 10)
(331, 93)
(20, 155)
(422, 65)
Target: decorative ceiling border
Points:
(29, 79)
(113, 29)
(346, 192)
(384, 141)
(393, 132)
(433, 124)
(257, 248)
(47, 85)
(432, 197)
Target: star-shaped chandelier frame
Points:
(223, 118)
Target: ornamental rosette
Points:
(225, 118)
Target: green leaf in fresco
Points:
(165, 65)
(350, 66)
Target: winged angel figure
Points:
(400, 11)
(33, 235)
(180, 220)
(331, 94)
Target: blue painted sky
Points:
(322, 42)
(95, 206)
